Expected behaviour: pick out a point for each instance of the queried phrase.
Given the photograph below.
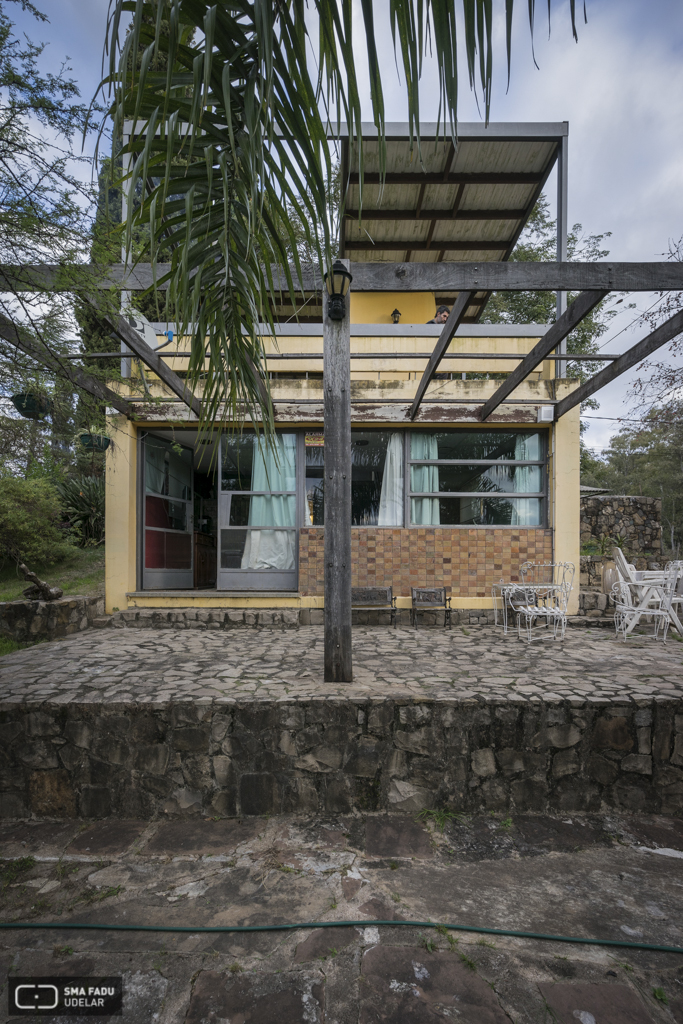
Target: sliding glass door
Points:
(258, 513)
(167, 543)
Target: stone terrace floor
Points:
(270, 664)
(599, 876)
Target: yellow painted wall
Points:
(377, 307)
(564, 469)
(120, 514)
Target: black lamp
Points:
(396, 316)
(338, 282)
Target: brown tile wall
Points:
(466, 561)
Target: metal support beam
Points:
(553, 337)
(150, 358)
(415, 245)
(664, 333)
(23, 341)
(447, 215)
(437, 178)
(562, 193)
(337, 491)
(445, 338)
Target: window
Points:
(376, 478)
(168, 493)
(258, 485)
(481, 477)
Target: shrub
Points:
(30, 517)
(83, 504)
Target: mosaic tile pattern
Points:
(465, 561)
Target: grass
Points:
(440, 818)
(80, 573)
(9, 646)
(11, 869)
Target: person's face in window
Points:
(441, 317)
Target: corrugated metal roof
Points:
(499, 169)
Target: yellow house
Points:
(446, 499)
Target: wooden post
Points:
(337, 389)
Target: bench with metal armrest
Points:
(427, 599)
(375, 598)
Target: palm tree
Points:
(231, 107)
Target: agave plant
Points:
(83, 504)
(230, 110)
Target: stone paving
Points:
(600, 876)
(271, 664)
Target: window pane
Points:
(315, 472)
(376, 478)
(166, 515)
(476, 444)
(258, 549)
(168, 470)
(167, 550)
(263, 510)
(520, 479)
(248, 464)
(475, 511)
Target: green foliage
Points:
(538, 244)
(11, 869)
(83, 505)
(30, 518)
(647, 459)
(660, 995)
(439, 817)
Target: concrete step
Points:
(101, 621)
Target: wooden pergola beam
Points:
(443, 278)
(664, 333)
(581, 306)
(445, 338)
(439, 178)
(153, 360)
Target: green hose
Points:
(339, 924)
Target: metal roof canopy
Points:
(446, 203)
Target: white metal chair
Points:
(540, 597)
(651, 600)
(644, 587)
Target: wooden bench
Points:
(380, 598)
(428, 598)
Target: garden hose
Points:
(214, 929)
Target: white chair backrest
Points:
(625, 570)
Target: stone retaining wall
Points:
(27, 621)
(287, 618)
(636, 519)
(333, 756)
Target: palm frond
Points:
(229, 134)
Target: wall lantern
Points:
(337, 282)
(396, 316)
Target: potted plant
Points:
(94, 439)
(31, 405)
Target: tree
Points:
(537, 244)
(232, 135)
(647, 459)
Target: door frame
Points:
(164, 579)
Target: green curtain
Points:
(424, 511)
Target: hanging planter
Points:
(33, 407)
(94, 442)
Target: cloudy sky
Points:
(620, 87)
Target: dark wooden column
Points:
(337, 388)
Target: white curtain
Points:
(274, 469)
(391, 495)
(424, 511)
(526, 478)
